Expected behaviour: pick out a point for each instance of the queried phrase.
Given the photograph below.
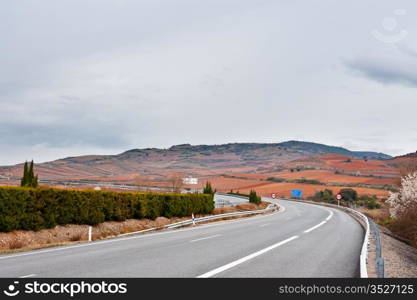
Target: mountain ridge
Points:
(193, 160)
(297, 145)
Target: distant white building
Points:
(190, 180)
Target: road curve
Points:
(304, 240)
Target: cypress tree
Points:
(254, 198)
(29, 179)
(24, 180)
(35, 181)
(208, 189)
(31, 175)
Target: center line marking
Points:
(246, 258)
(314, 227)
(27, 276)
(330, 216)
(205, 238)
(263, 225)
(320, 224)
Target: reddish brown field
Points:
(155, 167)
(328, 176)
(257, 176)
(335, 162)
(339, 162)
(284, 189)
(224, 184)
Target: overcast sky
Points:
(101, 77)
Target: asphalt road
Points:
(304, 240)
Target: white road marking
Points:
(320, 224)
(246, 258)
(330, 216)
(263, 225)
(97, 243)
(27, 276)
(314, 227)
(205, 238)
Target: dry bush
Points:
(73, 233)
(403, 209)
(109, 229)
(408, 166)
(405, 225)
(224, 210)
(380, 216)
(247, 206)
(240, 207)
(16, 244)
(76, 237)
(160, 221)
(252, 206)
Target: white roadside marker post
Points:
(192, 215)
(90, 233)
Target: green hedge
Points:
(35, 209)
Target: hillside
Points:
(405, 163)
(325, 149)
(315, 173)
(157, 164)
(412, 155)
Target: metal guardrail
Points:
(270, 207)
(379, 260)
(221, 216)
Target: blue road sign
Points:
(296, 193)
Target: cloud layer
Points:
(102, 77)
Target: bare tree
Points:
(175, 181)
(408, 166)
(142, 182)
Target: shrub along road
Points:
(304, 240)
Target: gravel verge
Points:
(400, 259)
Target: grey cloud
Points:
(62, 135)
(386, 72)
(408, 51)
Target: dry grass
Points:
(16, 244)
(21, 239)
(252, 206)
(224, 210)
(406, 225)
(247, 206)
(240, 207)
(75, 237)
(61, 235)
